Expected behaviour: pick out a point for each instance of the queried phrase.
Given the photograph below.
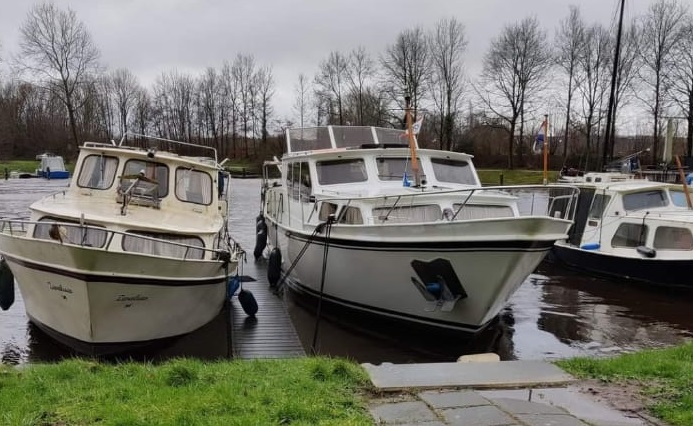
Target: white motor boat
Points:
(136, 249)
(401, 232)
(632, 229)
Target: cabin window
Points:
(71, 232)
(174, 245)
(454, 171)
(153, 182)
(193, 186)
(394, 168)
(352, 216)
(644, 200)
(333, 172)
(599, 203)
(674, 238)
(679, 198)
(97, 172)
(326, 209)
(408, 214)
(298, 181)
(629, 235)
(471, 211)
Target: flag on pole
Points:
(539, 139)
(416, 127)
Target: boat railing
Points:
(96, 237)
(555, 200)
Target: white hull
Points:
(96, 297)
(376, 277)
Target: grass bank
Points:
(664, 378)
(25, 166)
(515, 177)
(186, 392)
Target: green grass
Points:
(26, 166)
(515, 177)
(306, 391)
(665, 377)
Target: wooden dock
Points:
(270, 333)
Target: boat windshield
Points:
(394, 168)
(97, 172)
(645, 200)
(678, 198)
(155, 178)
(333, 172)
(453, 171)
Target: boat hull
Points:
(383, 277)
(663, 272)
(98, 297)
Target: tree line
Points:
(64, 95)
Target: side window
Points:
(629, 235)
(298, 181)
(598, 205)
(670, 237)
(352, 216)
(97, 172)
(70, 232)
(193, 186)
(185, 247)
(326, 209)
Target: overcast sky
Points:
(153, 36)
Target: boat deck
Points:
(270, 334)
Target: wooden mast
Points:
(610, 113)
(412, 142)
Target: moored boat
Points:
(400, 232)
(136, 249)
(51, 167)
(631, 229)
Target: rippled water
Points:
(555, 314)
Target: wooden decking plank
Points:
(270, 334)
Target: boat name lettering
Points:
(124, 298)
(59, 287)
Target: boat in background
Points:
(51, 167)
(364, 220)
(135, 250)
(631, 229)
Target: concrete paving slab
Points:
(485, 415)
(505, 374)
(550, 420)
(402, 412)
(451, 399)
(572, 400)
(518, 406)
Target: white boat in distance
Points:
(134, 250)
(429, 247)
(631, 228)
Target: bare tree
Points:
(406, 68)
(331, 81)
(302, 91)
(661, 31)
(142, 111)
(568, 41)
(125, 88)
(229, 103)
(57, 48)
(682, 79)
(593, 77)
(513, 72)
(265, 90)
(209, 88)
(360, 69)
(244, 74)
(447, 43)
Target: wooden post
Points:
(683, 182)
(412, 143)
(546, 148)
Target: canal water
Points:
(555, 314)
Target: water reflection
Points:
(555, 314)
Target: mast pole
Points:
(546, 148)
(610, 114)
(412, 143)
